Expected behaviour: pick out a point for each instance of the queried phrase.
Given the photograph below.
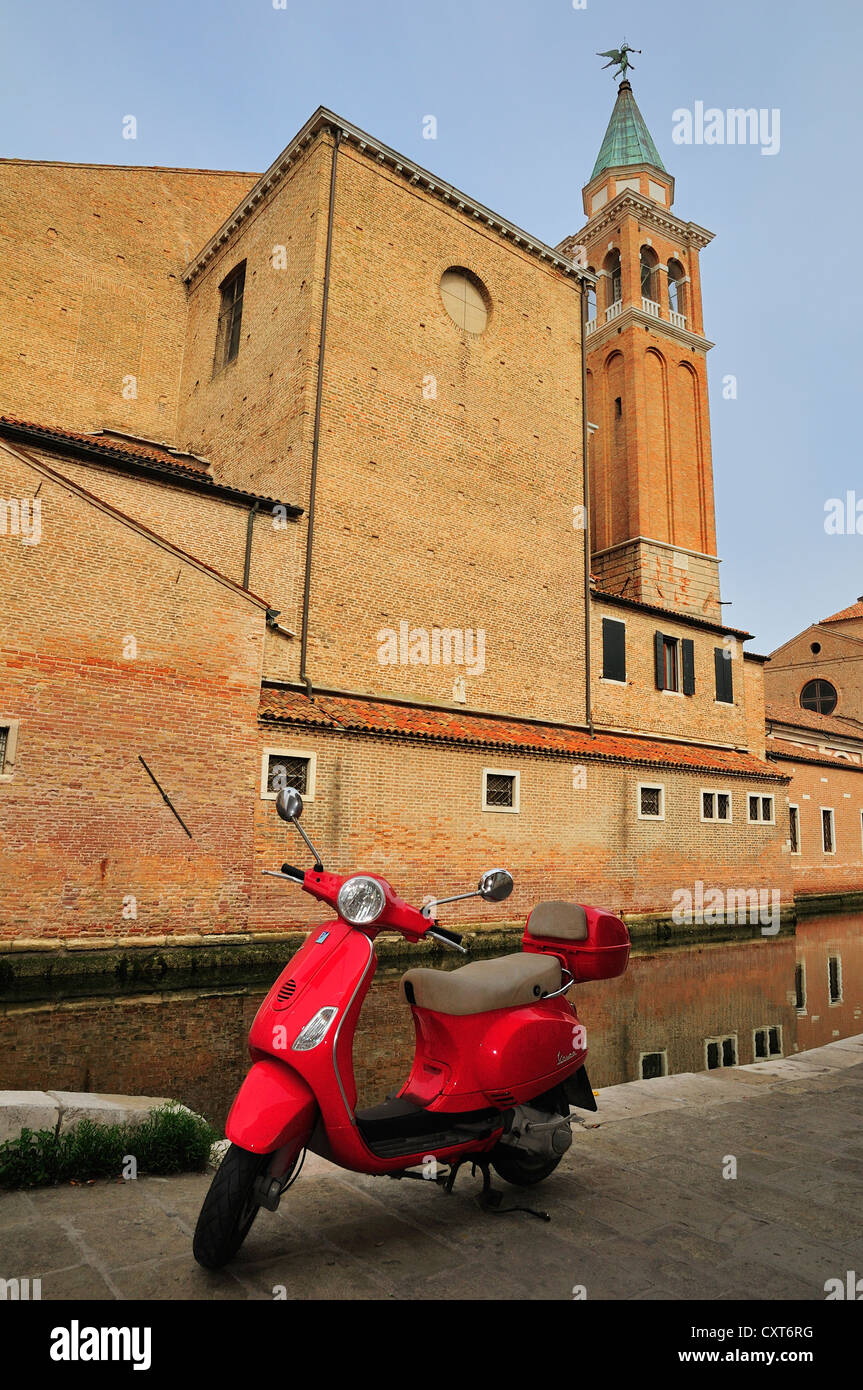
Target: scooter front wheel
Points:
(230, 1207)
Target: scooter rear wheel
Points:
(520, 1168)
(230, 1207)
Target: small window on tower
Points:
(618, 406)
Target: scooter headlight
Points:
(361, 900)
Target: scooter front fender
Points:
(274, 1107)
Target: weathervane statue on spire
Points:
(618, 57)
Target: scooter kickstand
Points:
(490, 1198)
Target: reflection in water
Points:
(676, 1009)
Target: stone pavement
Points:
(640, 1210)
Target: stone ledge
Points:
(63, 1110)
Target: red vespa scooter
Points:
(499, 1050)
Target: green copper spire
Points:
(627, 139)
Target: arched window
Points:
(820, 696)
(612, 266)
(649, 262)
(676, 275)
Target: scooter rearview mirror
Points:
(289, 804)
(495, 885)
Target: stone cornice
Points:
(665, 329)
(648, 213)
(325, 120)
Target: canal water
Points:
(676, 1009)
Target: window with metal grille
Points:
(651, 802)
(499, 789)
(716, 806)
(230, 316)
(287, 772)
(834, 978)
(761, 810)
(820, 696)
(827, 836)
(794, 829)
(4, 739)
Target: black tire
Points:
(520, 1168)
(230, 1207)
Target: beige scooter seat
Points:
(484, 984)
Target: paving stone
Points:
(639, 1210)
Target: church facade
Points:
(335, 477)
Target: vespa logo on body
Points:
(579, 1043)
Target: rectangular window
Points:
(651, 801)
(653, 1064)
(716, 806)
(767, 1042)
(800, 985)
(287, 767)
(674, 660)
(230, 316)
(500, 790)
(834, 978)
(794, 829)
(724, 675)
(613, 650)
(760, 810)
(8, 748)
(828, 838)
(721, 1052)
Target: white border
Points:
(793, 806)
(516, 789)
(832, 811)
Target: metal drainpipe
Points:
(304, 639)
(586, 500)
(247, 563)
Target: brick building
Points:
(814, 706)
(296, 484)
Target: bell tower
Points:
(652, 528)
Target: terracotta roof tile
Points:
(778, 749)
(855, 611)
(363, 715)
(795, 717)
(116, 445)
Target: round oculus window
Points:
(464, 299)
(819, 696)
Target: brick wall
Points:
(640, 707)
(413, 813)
(92, 290)
(81, 825)
(813, 787)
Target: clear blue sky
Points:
(522, 104)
